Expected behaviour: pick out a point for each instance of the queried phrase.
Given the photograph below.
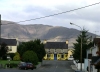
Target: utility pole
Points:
(95, 33)
(0, 30)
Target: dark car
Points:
(24, 65)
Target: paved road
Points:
(47, 66)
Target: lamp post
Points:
(81, 45)
(0, 30)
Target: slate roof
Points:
(9, 42)
(95, 59)
(96, 41)
(56, 45)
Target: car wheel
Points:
(25, 68)
(32, 69)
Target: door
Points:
(55, 56)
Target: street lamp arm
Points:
(76, 25)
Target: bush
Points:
(12, 65)
(30, 56)
(16, 58)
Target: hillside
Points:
(33, 31)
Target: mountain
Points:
(11, 29)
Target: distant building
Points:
(11, 43)
(56, 50)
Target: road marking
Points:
(56, 66)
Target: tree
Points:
(30, 56)
(39, 49)
(3, 51)
(35, 46)
(16, 57)
(86, 44)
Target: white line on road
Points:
(55, 69)
(56, 66)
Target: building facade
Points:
(93, 56)
(11, 44)
(56, 50)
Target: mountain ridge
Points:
(40, 31)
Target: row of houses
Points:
(54, 50)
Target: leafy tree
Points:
(35, 46)
(3, 51)
(30, 56)
(17, 56)
(86, 43)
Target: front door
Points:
(55, 56)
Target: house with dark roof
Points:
(11, 43)
(56, 50)
(93, 56)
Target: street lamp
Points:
(0, 29)
(81, 44)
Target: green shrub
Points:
(12, 65)
(30, 56)
(16, 58)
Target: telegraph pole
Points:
(0, 30)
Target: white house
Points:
(11, 43)
(90, 53)
(92, 57)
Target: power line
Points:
(57, 13)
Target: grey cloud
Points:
(44, 11)
(82, 17)
(90, 13)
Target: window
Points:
(10, 48)
(48, 55)
(62, 56)
(58, 55)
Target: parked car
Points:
(24, 65)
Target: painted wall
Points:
(51, 56)
(85, 64)
(58, 56)
(78, 65)
(94, 70)
(69, 53)
(13, 49)
(45, 57)
(94, 50)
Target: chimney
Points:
(45, 41)
(66, 41)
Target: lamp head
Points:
(71, 23)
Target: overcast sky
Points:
(20, 10)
